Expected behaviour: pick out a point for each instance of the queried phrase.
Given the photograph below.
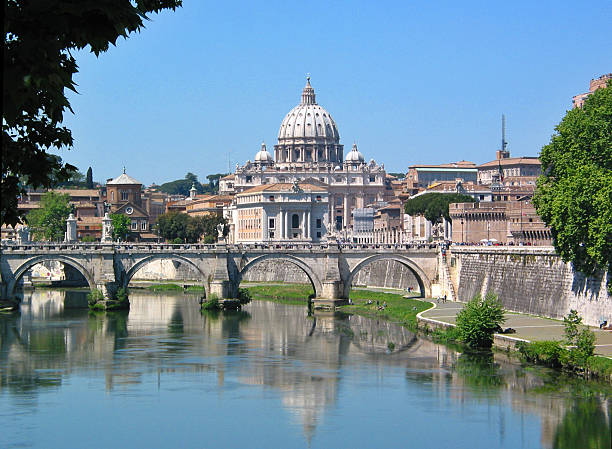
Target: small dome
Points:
(354, 155)
(263, 157)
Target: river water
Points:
(165, 375)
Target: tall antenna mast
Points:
(504, 143)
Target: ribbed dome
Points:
(354, 155)
(308, 121)
(263, 157)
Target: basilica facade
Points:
(309, 151)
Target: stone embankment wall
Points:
(530, 280)
(383, 273)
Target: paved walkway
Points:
(527, 327)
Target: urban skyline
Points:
(409, 84)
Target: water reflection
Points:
(311, 362)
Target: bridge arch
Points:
(20, 271)
(312, 277)
(176, 257)
(422, 279)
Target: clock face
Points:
(129, 210)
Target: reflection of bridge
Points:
(330, 268)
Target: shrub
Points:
(549, 353)
(479, 320)
(177, 241)
(211, 303)
(580, 340)
(94, 296)
(122, 295)
(244, 296)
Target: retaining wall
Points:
(531, 280)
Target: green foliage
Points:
(479, 370)
(434, 206)
(479, 320)
(177, 241)
(244, 296)
(213, 181)
(580, 340)
(286, 293)
(585, 425)
(548, 353)
(88, 239)
(164, 287)
(398, 175)
(121, 226)
(211, 303)
(574, 193)
(447, 335)
(183, 186)
(122, 295)
(40, 39)
(49, 221)
(178, 227)
(76, 179)
(94, 296)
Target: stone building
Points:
(281, 212)
(309, 148)
(510, 171)
(420, 177)
(124, 196)
(597, 83)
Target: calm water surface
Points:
(270, 376)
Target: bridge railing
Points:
(195, 247)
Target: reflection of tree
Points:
(479, 370)
(585, 426)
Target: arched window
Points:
(295, 221)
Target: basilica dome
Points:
(309, 120)
(308, 133)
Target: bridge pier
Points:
(332, 290)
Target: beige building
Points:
(280, 213)
(510, 171)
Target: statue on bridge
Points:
(220, 229)
(107, 229)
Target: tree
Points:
(434, 206)
(213, 181)
(121, 226)
(182, 186)
(38, 67)
(574, 193)
(479, 320)
(89, 179)
(49, 221)
(176, 226)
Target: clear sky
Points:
(410, 82)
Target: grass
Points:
(174, 287)
(283, 294)
(399, 309)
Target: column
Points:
(304, 232)
(288, 224)
(281, 225)
(309, 235)
(264, 225)
(346, 212)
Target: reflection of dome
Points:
(263, 157)
(308, 120)
(354, 156)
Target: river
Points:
(166, 375)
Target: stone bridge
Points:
(330, 268)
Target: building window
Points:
(481, 197)
(318, 235)
(249, 178)
(112, 195)
(372, 178)
(338, 201)
(295, 221)
(134, 225)
(271, 197)
(271, 234)
(318, 197)
(318, 223)
(271, 223)
(124, 195)
(143, 225)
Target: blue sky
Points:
(410, 82)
